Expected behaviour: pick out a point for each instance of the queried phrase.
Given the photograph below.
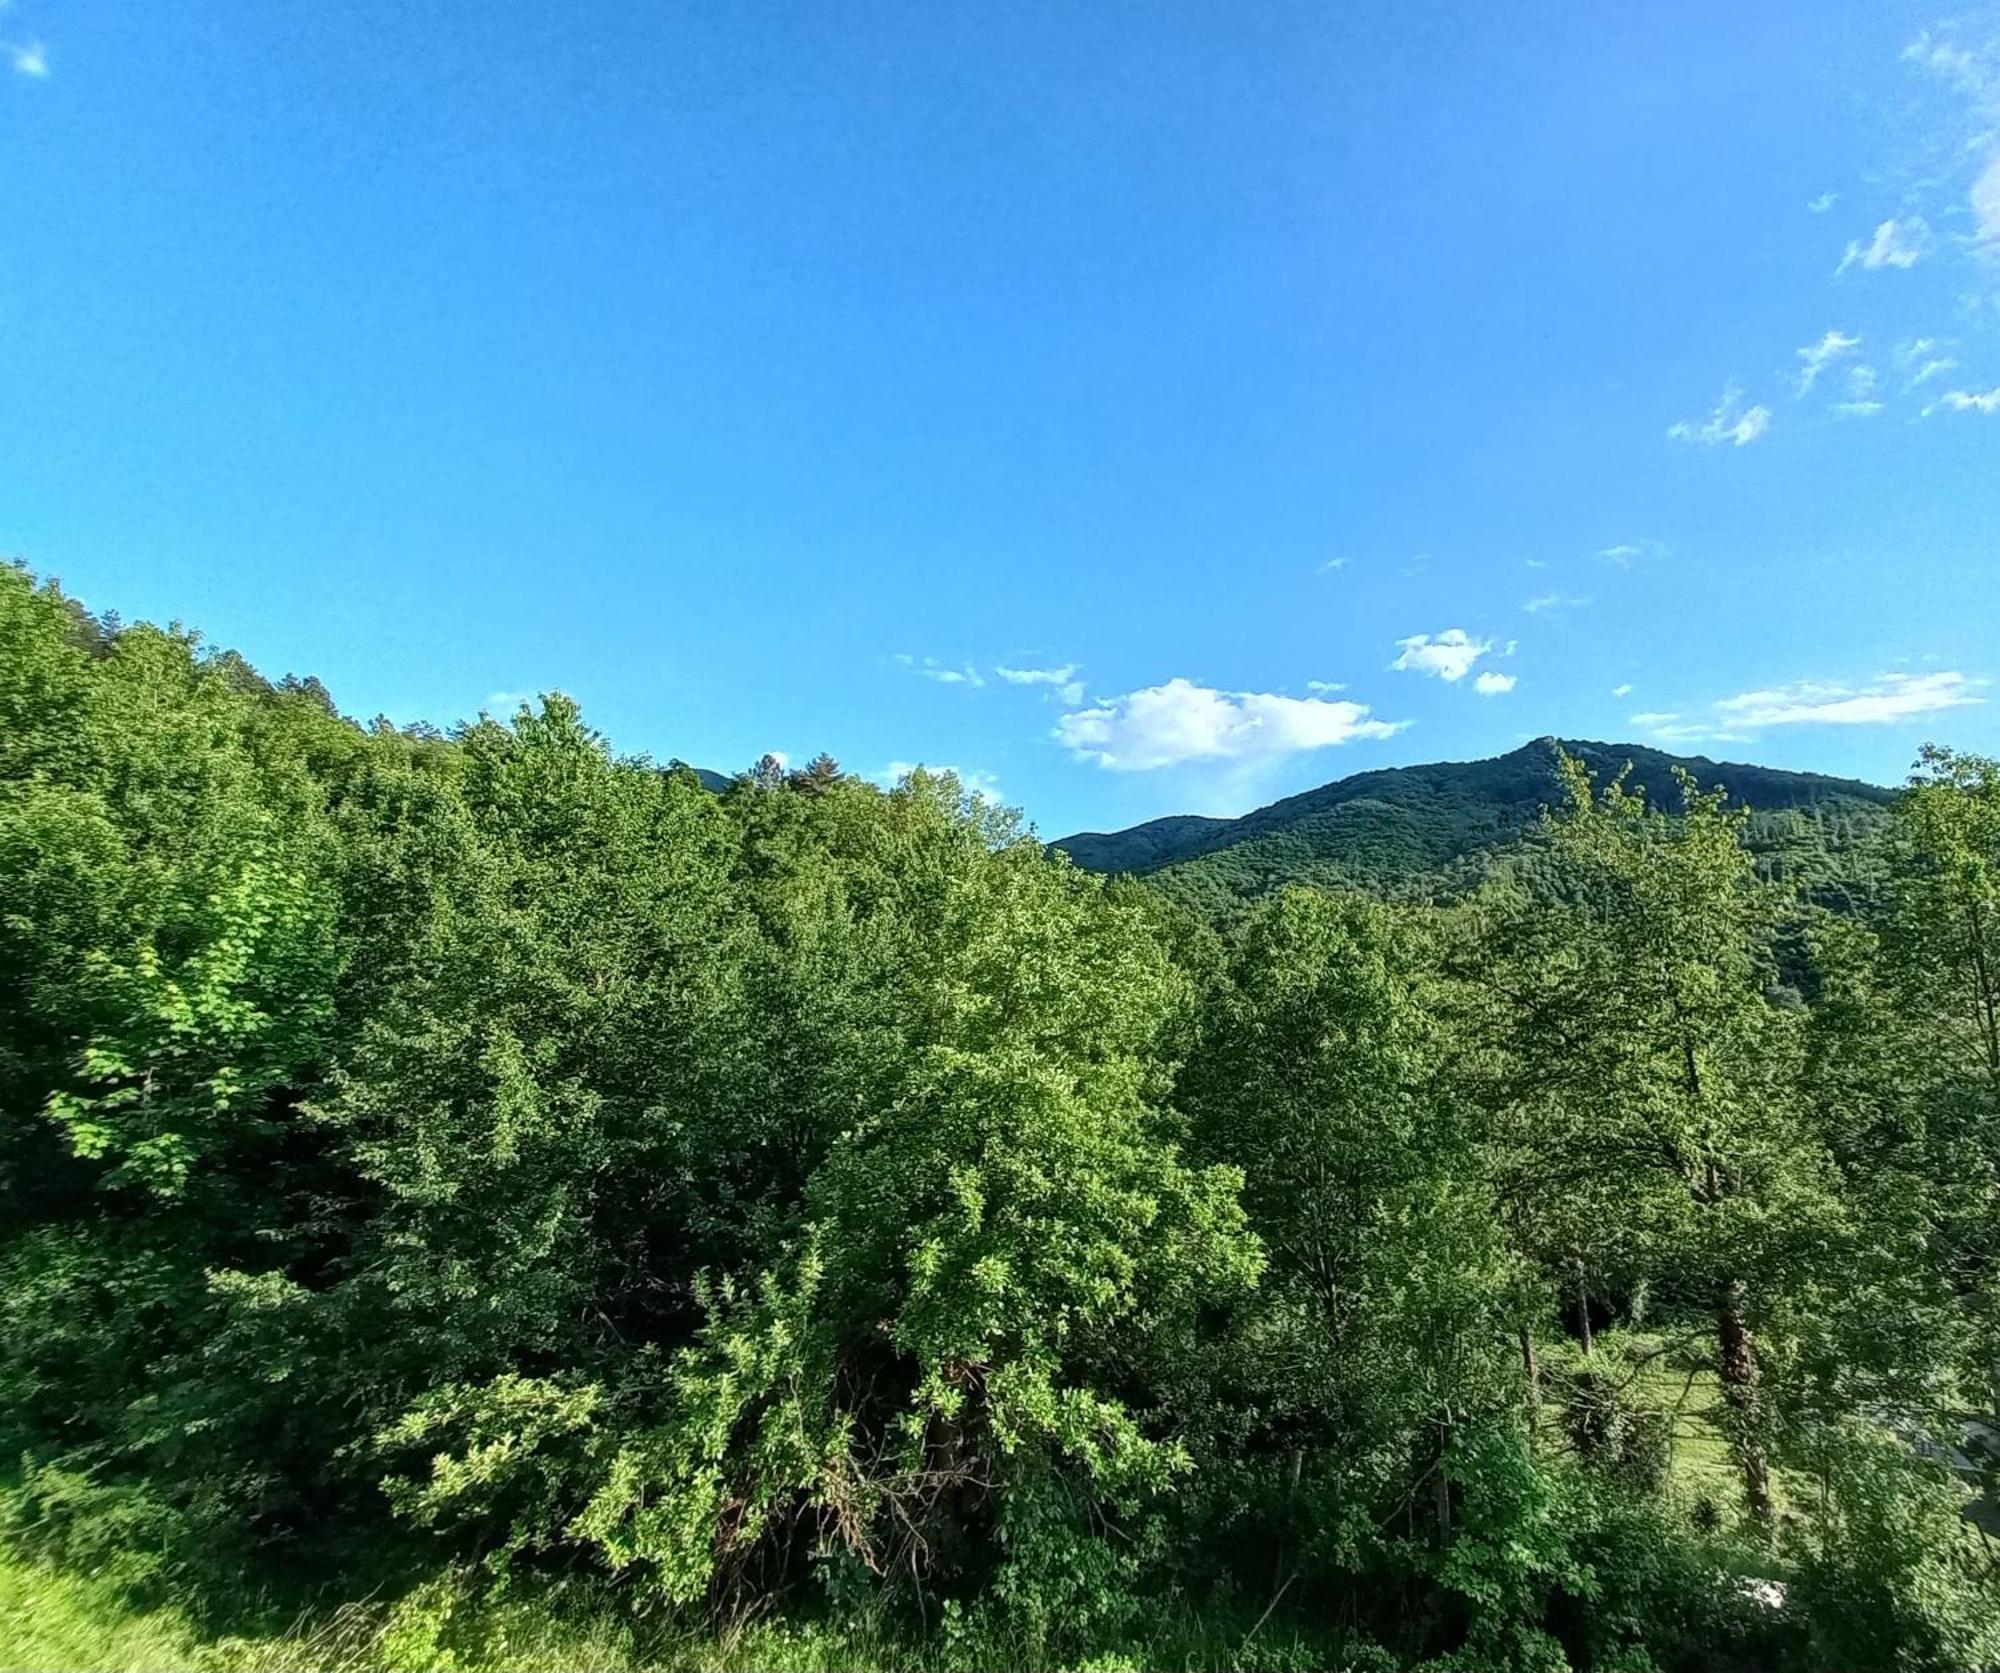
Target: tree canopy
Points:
(480, 1154)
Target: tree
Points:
(1649, 1125)
(817, 776)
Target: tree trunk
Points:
(1583, 1313)
(1531, 1370)
(1742, 1377)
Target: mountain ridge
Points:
(1398, 822)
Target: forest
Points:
(476, 1200)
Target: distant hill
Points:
(708, 779)
(1400, 827)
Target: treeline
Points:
(485, 1155)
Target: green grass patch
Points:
(52, 1621)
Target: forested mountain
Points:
(1400, 829)
(708, 780)
(475, 1201)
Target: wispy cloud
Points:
(1625, 553)
(1493, 684)
(1062, 681)
(1448, 655)
(1973, 72)
(1332, 564)
(932, 669)
(1821, 204)
(1180, 722)
(1861, 401)
(1624, 690)
(1671, 728)
(1542, 603)
(1945, 56)
(1886, 700)
(1882, 701)
(1816, 357)
(1899, 242)
(1921, 359)
(1960, 400)
(1986, 202)
(28, 58)
(1730, 422)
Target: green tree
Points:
(1650, 1125)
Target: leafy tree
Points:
(478, 1158)
(1650, 1125)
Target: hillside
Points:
(706, 777)
(1399, 827)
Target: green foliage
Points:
(1894, 1577)
(511, 1205)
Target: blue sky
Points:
(1143, 408)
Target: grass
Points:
(1672, 1378)
(53, 1621)
(64, 1619)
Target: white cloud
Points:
(1628, 552)
(1986, 202)
(1491, 684)
(507, 703)
(1333, 564)
(1816, 357)
(1672, 729)
(1729, 422)
(1960, 400)
(1975, 73)
(1323, 687)
(1169, 725)
(1542, 603)
(30, 58)
(1062, 680)
(1821, 204)
(1624, 690)
(1923, 358)
(1898, 242)
(1450, 655)
(1038, 676)
(932, 669)
(1861, 401)
(1883, 700)
(1964, 69)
